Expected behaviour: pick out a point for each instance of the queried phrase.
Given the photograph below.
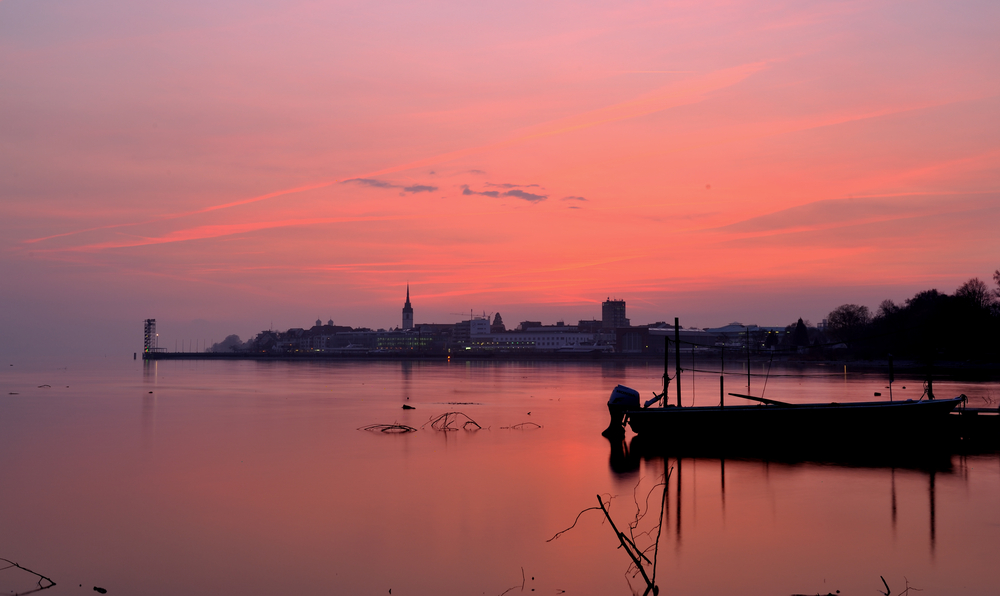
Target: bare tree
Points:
(977, 293)
(887, 308)
(848, 321)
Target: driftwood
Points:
(522, 426)
(888, 591)
(40, 577)
(906, 591)
(452, 421)
(514, 587)
(394, 428)
(639, 557)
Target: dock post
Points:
(722, 378)
(891, 377)
(677, 358)
(748, 359)
(666, 367)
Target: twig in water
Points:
(908, 588)
(905, 592)
(394, 428)
(522, 426)
(40, 577)
(512, 587)
(659, 523)
(639, 556)
(561, 532)
(630, 548)
(887, 590)
(447, 421)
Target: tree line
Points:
(931, 326)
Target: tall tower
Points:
(613, 314)
(149, 336)
(407, 311)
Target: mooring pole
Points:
(666, 367)
(722, 377)
(677, 358)
(748, 359)
(891, 377)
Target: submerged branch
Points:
(625, 542)
(394, 428)
(522, 426)
(40, 577)
(448, 420)
(512, 587)
(561, 532)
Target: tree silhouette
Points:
(847, 322)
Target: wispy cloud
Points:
(516, 193)
(671, 96)
(419, 188)
(371, 182)
(486, 193)
(216, 231)
(264, 197)
(375, 183)
(506, 185)
(527, 196)
(573, 198)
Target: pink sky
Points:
(223, 167)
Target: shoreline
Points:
(986, 370)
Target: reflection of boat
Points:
(773, 425)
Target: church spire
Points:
(407, 310)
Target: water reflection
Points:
(930, 491)
(258, 474)
(628, 457)
(622, 460)
(149, 381)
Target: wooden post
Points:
(722, 379)
(891, 377)
(666, 367)
(677, 358)
(748, 358)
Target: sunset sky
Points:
(225, 166)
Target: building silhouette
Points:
(613, 314)
(407, 311)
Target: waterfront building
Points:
(613, 314)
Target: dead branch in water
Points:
(630, 548)
(40, 577)
(561, 532)
(639, 556)
(512, 587)
(522, 426)
(394, 428)
(888, 591)
(449, 420)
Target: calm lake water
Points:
(189, 477)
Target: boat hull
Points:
(812, 427)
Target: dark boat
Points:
(774, 426)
